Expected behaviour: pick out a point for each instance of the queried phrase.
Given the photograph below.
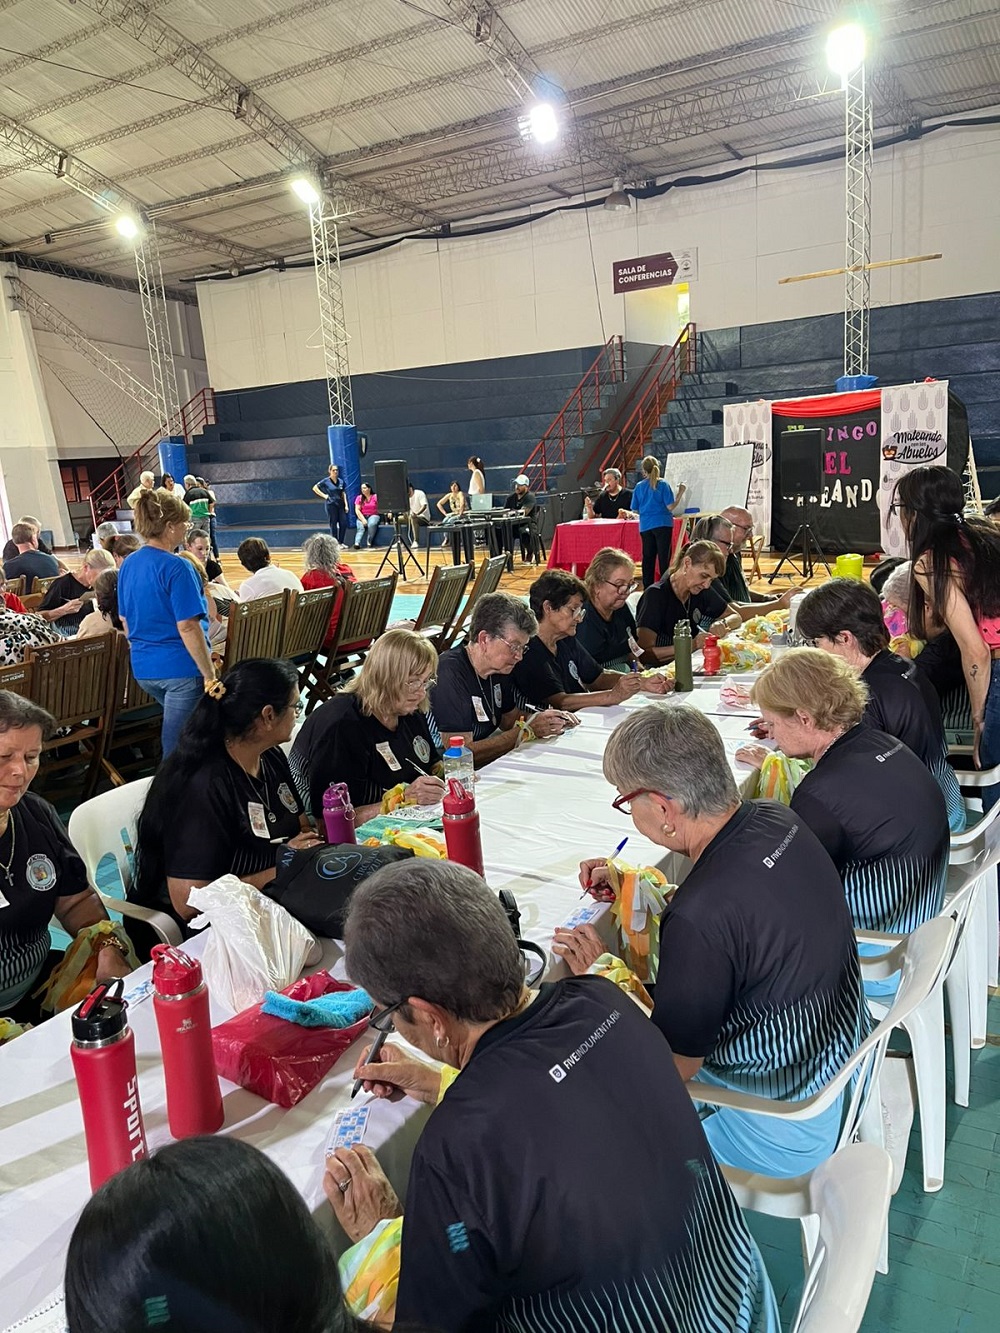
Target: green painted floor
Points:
(944, 1248)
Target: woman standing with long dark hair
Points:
(956, 586)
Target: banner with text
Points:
(633, 275)
(914, 434)
(750, 423)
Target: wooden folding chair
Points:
(41, 586)
(755, 545)
(254, 629)
(135, 721)
(487, 581)
(17, 679)
(32, 600)
(363, 617)
(441, 602)
(74, 681)
(307, 623)
(16, 586)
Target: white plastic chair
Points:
(95, 830)
(976, 852)
(849, 1196)
(972, 782)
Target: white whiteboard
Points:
(715, 478)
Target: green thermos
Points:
(683, 675)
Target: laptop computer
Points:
(479, 503)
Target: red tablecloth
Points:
(575, 544)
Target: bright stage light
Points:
(543, 123)
(126, 226)
(845, 49)
(306, 190)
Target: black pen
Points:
(373, 1055)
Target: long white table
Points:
(543, 808)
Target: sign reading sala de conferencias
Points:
(632, 275)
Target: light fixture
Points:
(306, 190)
(845, 49)
(618, 201)
(127, 226)
(543, 123)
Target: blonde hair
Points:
(821, 685)
(607, 559)
(701, 553)
(396, 656)
(98, 558)
(154, 510)
(200, 569)
(651, 470)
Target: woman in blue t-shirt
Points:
(655, 502)
(165, 615)
(334, 492)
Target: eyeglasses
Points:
(297, 707)
(381, 1020)
(624, 803)
(576, 612)
(419, 683)
(743, 527)
(512, 646)
(622, 587)
(720, 541)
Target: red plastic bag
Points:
(282, 1061)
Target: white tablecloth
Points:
(543, 808)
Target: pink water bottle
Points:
(461, 827)
(180, 1002)
(338, 813)
(103, 1055)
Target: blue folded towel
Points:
(339, 1009)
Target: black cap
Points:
(102, 1015)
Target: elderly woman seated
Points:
(870, 801)
(223, 801)
(42, 874)
(759, 985)
(502, 1227)
(845, 618)
(67, 597)
(19, 631)
(685, 593)
(557, 671)
(322, 557)
(374, 734)
(607, 630)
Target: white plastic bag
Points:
(254, 946)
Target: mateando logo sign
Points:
(913, 446)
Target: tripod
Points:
(809, 546)
(399, 551)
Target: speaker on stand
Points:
(800, 477)
(392, 488)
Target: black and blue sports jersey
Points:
(903, 703)
(758, 973)
(508, 1227)
(882, 818)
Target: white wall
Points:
(532, 289)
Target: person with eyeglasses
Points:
(375, 733)
(729, 535)
(685, 592)
(758, 987)
(607, 630)
(474, 696)
(557, 671)
(224, 800)
(614, 499)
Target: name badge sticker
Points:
(258, 820)
(479, 709)
(385, 750)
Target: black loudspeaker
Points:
(391, 481)
(800, 462)
(560, 507)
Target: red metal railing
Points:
(111, 493)
(661, 380)
(607, 368)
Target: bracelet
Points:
(110, 941)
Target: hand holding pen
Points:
(594, 877)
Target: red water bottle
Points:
(461, 827)
(711, 656)
(180, 1001)
(103, 1055)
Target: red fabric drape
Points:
(829, 405)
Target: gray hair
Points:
(105, 530)
(17, 712)
(144, 475)
(190, 480)
(321, 551)
(675, 751)
(432, 930)
(30, 518)
(98, 558)
(494, 612)
(707, 529)
(896, 588)
(612, 472)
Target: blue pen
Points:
(586, 892)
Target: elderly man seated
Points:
(474, 694)
(725, 532)
(613, 501)
(504, 1227)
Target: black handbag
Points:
(315, 885)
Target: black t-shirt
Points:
(607, 640)
(196, 493)
(732, 587)
(338, 743)
(231, 823)
(610, 506)
(903, 703)
(539, 675)
(660, 609)
(65, 589)
(213, 569)
(462, 701)
(525, 502)
(32, 564)
(507, 1227)
(758, 972)
(941, 663)
(882, 818)
(45, 866)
